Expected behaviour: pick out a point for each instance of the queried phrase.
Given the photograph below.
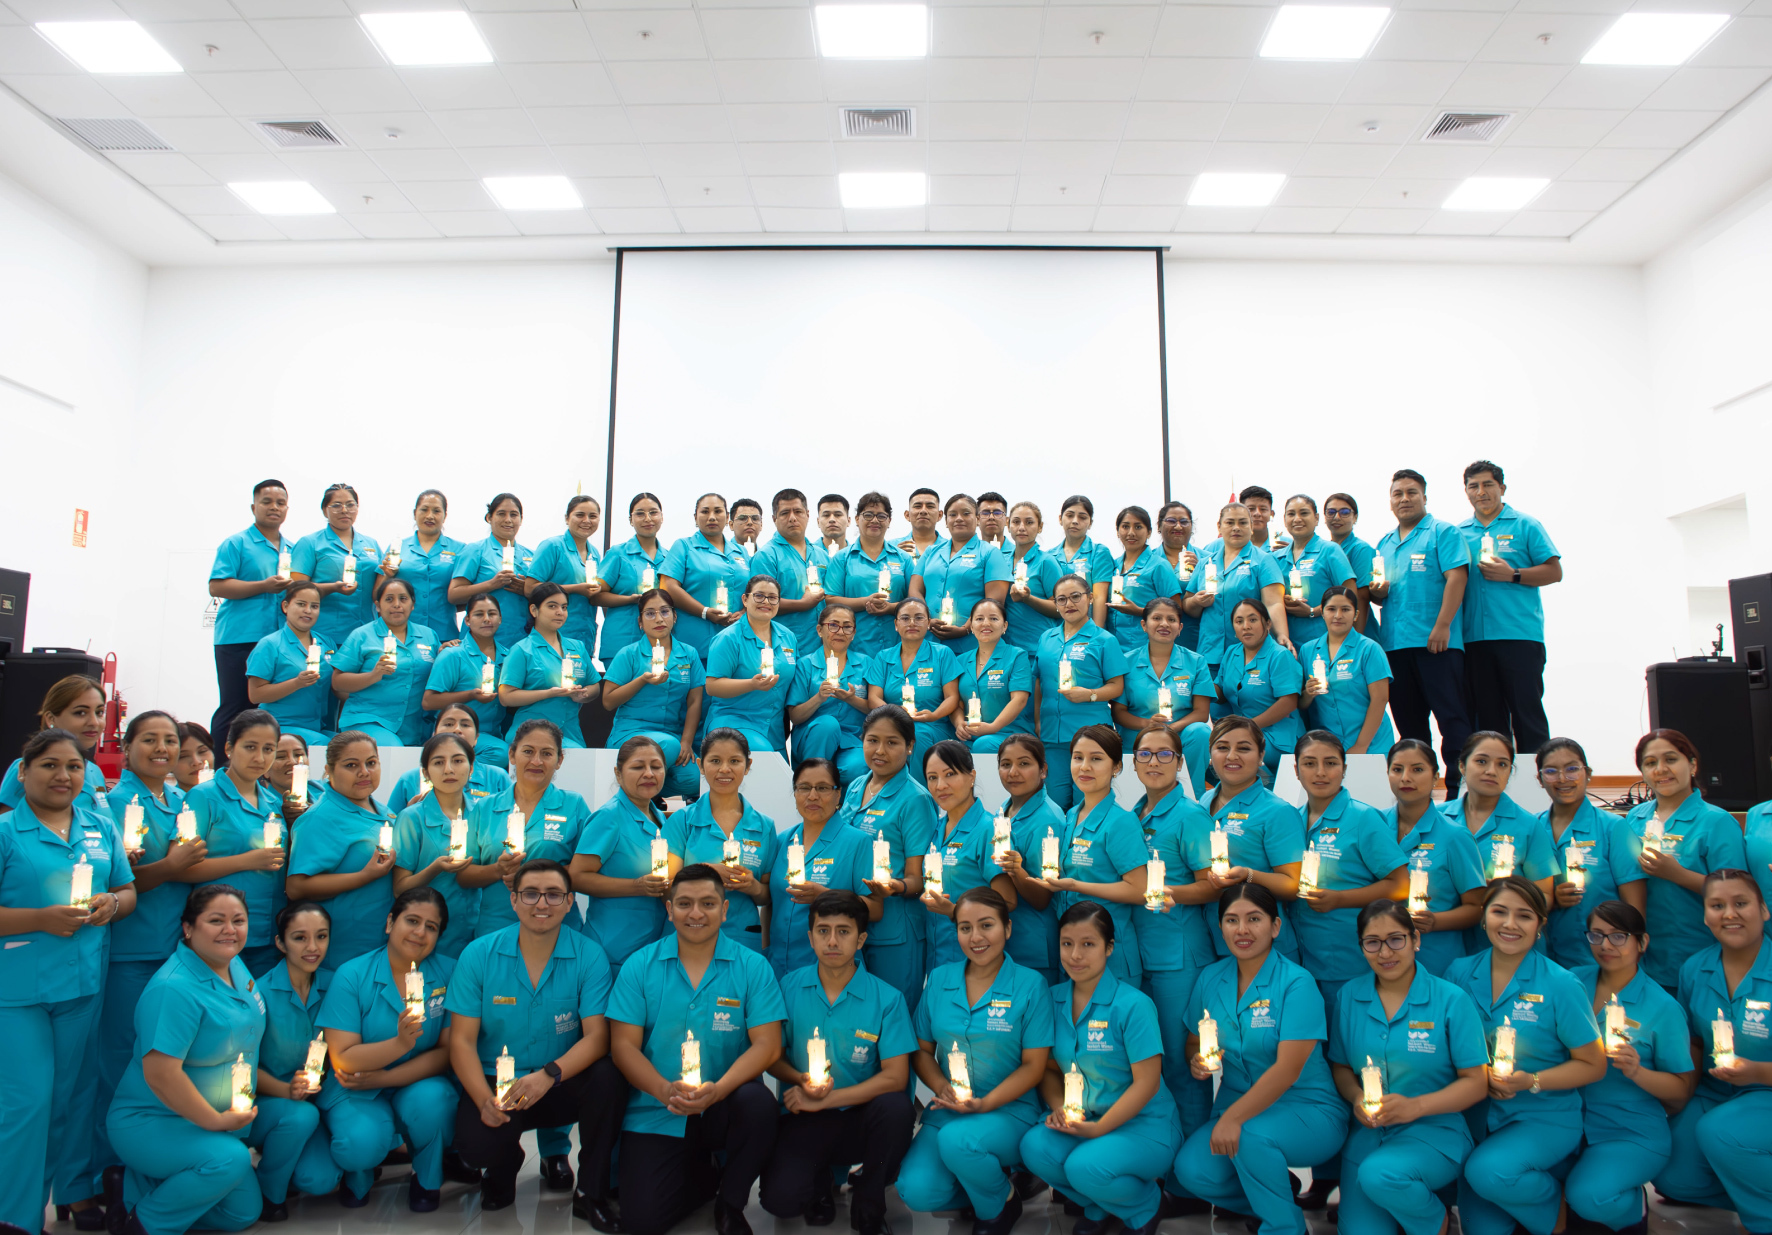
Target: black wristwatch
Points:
(553, 1070)
(1516, 576)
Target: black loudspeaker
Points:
(28, 677)
(1707, 701)
(15, 597)
(1750, 610)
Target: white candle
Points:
(1067, 675)
(661, 854)
(569, 670)
(1002, 837)
(1221, 852)
(691, 1060)
(1309, 870)
(1117, 589)
(1654, 834)
(507, 558)
(1021, 572)
(1504, 1048)
(818, 1065)
(393, 560)
(908, 693)
(833, 672)
(1576, 862)
(1371, 1087)
(1320, 671)
(1617, 1034)
(314, 655)
(1418, 877)
(1295, 583)
(1501, 859)
(1210, 586)
(205, 774)
(1722, 1045)
(242, 1100)
(721, 597)
(349, 572)
(187, 824)
(284, 563)
(298, 783)
(80, 884)
(796, 863)
(658, 658)
(882, 860)
(1073, 1095)
(487, 678)
(1155, 889)
(507, 1074)
(648, 579)
(1488, 547)
(1187, 572)
(514, 829)
(932, 871)
(1049, 856)
(974, 711)
(811, 575)
(389, 645)
(947, 610)
(731, 851)
(273, 832)
(415, 990)
(135, 822)
(316, 1061)
(1211, 1055)
(424, 786)
(1165, 703)
(766, 662)
(458, 838)
(1377, 569)
(959, 1075)
(384, 839)
(883, 586)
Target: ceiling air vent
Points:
(879, 122)
(115, 134)
(294, 134)
(1467, 126)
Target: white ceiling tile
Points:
(1537, 223)
(1099, 30)
(603, 160)
(1215, 219)
(202, 199)
(365, 197)
(1146, 190)
(1211, 30)
(788, 158)
(413, 130)
(163, 96)
(680, 124)
(632, 192)
(1292, 81)
(238, 48)
(23, 50)
(808, 191)
(406, 226)
(967, 31)
(759, 34)
(707, 190)
(1744, 42)
(264, 93)
(664, 81)
(227, 168)
(715, 219)
(1333, 159)
(782, 122)
(1541, 161)
(67, 95)
(459, 87)
(1323, 191)
(1581, 195)
(1437, 162)
(1161, 158)
(1075, 158)
(473, 223)
(559, 85)
(1659, 129)
(66, 10)
(883, 156)
(915, 219)
(1102, 122)
(974, 158)
(1302, 220)
(791, 219)
(1176, 121)
(1562, 127)
(1384, 222)
(555, 223)
(769, 81)
(429, 164)
(1078, 78)
(1073, 191)
(874, 81)
(694, 159)
(317, 165)
(1503, 85)
(1396, 192)
(320, 43)
(655, 222)
(1193, 79)
(651, 34)
(1417, 35)
(157, 169)
(254, 10)
(1607, 85)
(432, 195)
(976, 121)
(969, 218)
(238, 227)
(1519, 39)
(1273, 122)
(208, 136)
(1603, 164)
(1464, 223)
(1007, 78)
(971, 190)
(511, 161)
(1136, 218)
(1396, 124)
(510, 126)
(518, 38)
(1051, 218)
(358, 90)
(1401, 81)
(1706, 89)
(1255, 156)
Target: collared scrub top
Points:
(250, 558)
(483, 560)
(1012, 1016)
(1415, 566)
(1505, 609)
(36, 871)
(1702, 838)
(536, 1022)
(1282, 1004)
(866, 1026)
(280, 656)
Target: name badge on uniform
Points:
(1098, 1024)
(504, 1000)
(866, 1036)
(724, 1002)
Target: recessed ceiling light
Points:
(882, 190)
(1495, 193)
(109, 46)
(872, 31)
(1322, 32)
(534, 192)
(282, 197)
(427, 38)
(1235, 188)
(1655, 38)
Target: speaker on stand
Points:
(1750, 612)
(29, 675)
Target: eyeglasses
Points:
(1391, 943)
(1335, 511)
(839, 628)
(764, 598)
(341, 506)
(1573, 772)
(552, 896)
(874, 516)
(1177, 522)
(817, 790)
(1161, 756)
(1070, 598)
(1615, 938)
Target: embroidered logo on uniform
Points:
(565, 1022)
(723, 1022)
(504, 999)
(859, 1054)
(1096, 1037)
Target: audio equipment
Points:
(1750, 610)
(28, 677)
(1708, 702)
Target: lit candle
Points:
(1504, 1048)
(284, 563)
(388, 645)
(1049, 856)
(569, 670)
(1501, 859)
(393, 560)
(1211, 1054)
(731, 852)
(514, 828)
(424, 786)
(316, 1061)
(349, 572)
(187, 824)
(298, 783)
(947, 610)
(1377, 569)
(1067, 675)
(1021, 572)
(1073, 1095)
(1722, 1040)
(811, 575)
(1418, 877)
(691, 1060)
(415, 990)
(80, 884)
(1001, 837)
(884, 586)
(205, 774)
(135, 822)
(1654, 834)
(766, 662)
(507, 1074)
(1187, 572)
(1371, 1087)
(384, 839)
(974, 711)
(242, 1085)
(314, 656)
(1309, 870)
(458, 837)
(507, 558)
(932, 871)
(1575, 860)
(1117, 589)
(833, 672)
(1295, 583)
(882, 860)
(1210, 586)
(908, 692)
(1155, 889)
(959, 1075)
(818, 1066)
(1221, 852)
(1488, 547)
(1616, 1033)
(721, 597)
(273, 832)
(658, 658)
(487, 678)
(661, 854)
(1320, 671)
(796, 863)
(1165, 703)
(648, 579)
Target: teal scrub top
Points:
(1007, 670)
(1757, 836)
(421, 836)
(1356, 846)
(1250, 686)
(1176, 830)
(1616, 1108)
(36, 871)
(1090, 562)
(1263, 833)
(1419, 1051)
(1102, 846)
(1117, 1028)
(1027, 626)
(249, 557)
(1034, 941)
(429, 572)
(153, 930)
(1359, 556)
(1448, 853)
(787, 566)
(1610, 862)
(189, 1014)
(852, 675)
(853, 574)
(231, 825)
(1704, 992)
(484, 781)
(966, 863)
(1012, 1016)
(290, 1024)
(866, 1026)
(737, 993)
(396, 702)
(1415, 566)
(1506, 610)
(620, 833)
(1282, 1004)
(320, 556)
(1321, 565)
(336, 835)
(932, 668)
(366, 999)
(552, 830)
(280, 656)
(533, 664)
(1185, 673)
(737, 652)
(1701, 838)
(557, 560)
(904, 814)
(1352, 669)
(536, 1022)
(699, 568)
(960, 571)
(1551, 1015)
(91, 796)
(694, 836)
(458, 668)
(1150, 577)
(1530, 837)
(840, 859)
(481, 561)
(662, 708)
(621, 570)
(1096, 659)
(1240, 579)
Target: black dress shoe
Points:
(1172, 1206)
(1149, 1228)
(1071, 1208)
(113, 1186)
(1317, 1195)
(868, 1218)
(556, 1173)
(92, 1218)
(1005, 1220)
(274, 1211)
(600, 1212)
(1027, 1185)
(458, 1172)
(729, 1219)
(1089, 1226)
(349, 1199)
(821, 1210)
(422, 1200)
(498, 1192)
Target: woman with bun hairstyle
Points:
(482, 570)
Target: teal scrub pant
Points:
(313, 737)
(1113, 1174)
(1257, 1179)
(1606, 1183)
(47, 1095)
(124, 983)
(682, 781)
(928, 734)
(291, 1146)
(260, 959)
(1392, 1185)
(383, 735)
(1196, 748)
(1170, 990)
(899, 965)
(964, 1162)
(422, 1113)
(1058, 774)
(182, 1178)
(490, 749)
(1722, 1156)
(1515, 1175)
(822, 738)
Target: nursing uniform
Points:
(321, 556)
(421, 836)
(462, 667)
(1359, 556)
(1352, 668)
(1356, 847)
(1185, 674)
(623, 571)
(960, 573)
(1026, 625)
(533, 664)
(1305, 1126)
(1390, 1176)
(699, 569)
(1090, 562)
(1757, 830)
(1608, 857)
(1508, 823)
(180, 1176)
(904, 816)
(840, 860)
(1096, 659)
(239, 624)
(483, 560)
(693, 835)
(484, 781)
(392, 709)
(620, 834)
(280, 656)
(1504, 627)
(338, 836)
(1511, 1176)
(1702, 838)
(959, 1160)
(1174, 947)
(231, 825)
(790, 567)
(429, 572)
(1321, 565)
(1150, 577)
(853, 574)
(966, 863)
(1241, 578)
(1008, 670)
(1447, 852)
(1263, 833)
(834, 731)
(761, 715)
(1034, 940)
(552, 830)
(1101, 847)
(1415, 566)
(92, 795)
(658, 711)
(932, 668)
(1115, 1173)
(557, 560)
(1250, 686)
(294, 1149)
(365, 1124)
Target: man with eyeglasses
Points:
(1340, 514)
(538, 993)
(247, 578)
(993, 519)
(852, 580)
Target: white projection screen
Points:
(1034, 373)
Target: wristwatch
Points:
(1095, 696)
(1516, 576)
(1535, 1088)
(553, 1070)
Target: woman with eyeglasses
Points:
(964, 842)
(613, 865)
(1033, 573)
(722, 830)
(498, 567)
(320, 556)
(485, 779)
(279, 678)
(1102, 856)
(1233, 569)
(829, 707)
(1425, 1038)
(658, 695)
(570, 560)
(1168, 684)
(853, 579)
(1021, 769)
(997, 674)
(1081, 671)
(1585, 839)
(1143, 574)
(628, 572)
(1509, 841)
(426, 560)
(1453, 902)
(381, 670)
(1532, 1120)
(1649, 1074)
(1175, 526)
(1264, 837)
(1261, 680)
(930, 672)
(751, 668)
(834, 857)
(957, 573)
(1352, 699)
(548, 675)
(1319, 564)
(460, 678)
(694, 570)
(1082, 557)
(1340, 514)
